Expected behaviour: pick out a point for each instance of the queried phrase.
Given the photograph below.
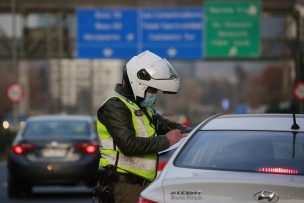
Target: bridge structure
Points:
(54, 36)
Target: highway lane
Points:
(45, 194)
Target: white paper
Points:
(172, 146)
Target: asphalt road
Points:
(45, 194)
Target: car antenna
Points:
(294, 126)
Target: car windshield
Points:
(248, 151)
(58, 128)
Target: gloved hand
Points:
(174, 136)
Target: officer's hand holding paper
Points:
(175, 138)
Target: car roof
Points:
(60, 117)
(272, 122)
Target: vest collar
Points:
(123, 93)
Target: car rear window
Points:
(61, 128)
(248, 151)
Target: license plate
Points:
(53, 152)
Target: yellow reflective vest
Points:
(141, 165)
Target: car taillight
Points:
(22, 148)
(18, 149)
(142, 200)
(279, 170)
(90, 148)
(161, 166)
(87, 148)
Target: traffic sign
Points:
(15, 92)
(298, 91)
(125, 32)
(106, 33)
(172, 32)
(232, 28)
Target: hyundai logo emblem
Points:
(266, 197)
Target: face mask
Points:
(150, 99)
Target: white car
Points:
(236, 159)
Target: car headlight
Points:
(5, 124)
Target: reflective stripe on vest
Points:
(143, 165)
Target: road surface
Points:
(46, 194)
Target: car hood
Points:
(192, 185)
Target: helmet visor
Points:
(161, 70)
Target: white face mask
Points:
(150, 100)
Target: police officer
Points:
(130, 130)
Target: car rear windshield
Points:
(62, 128)
(248, 151)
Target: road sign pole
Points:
(15, 116)
(14, 61)
(299, 55)
(15, 93)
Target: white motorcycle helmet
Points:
(149, 70)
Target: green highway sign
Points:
(232, 28)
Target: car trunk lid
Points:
(57, 149)
(232, 187)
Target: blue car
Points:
(53, 150)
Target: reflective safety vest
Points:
(141, 165)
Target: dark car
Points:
(53, 150)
